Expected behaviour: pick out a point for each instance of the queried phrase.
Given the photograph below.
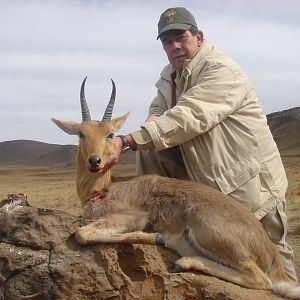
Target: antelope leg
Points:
(118, 228)
(246, 274)
(136, 237)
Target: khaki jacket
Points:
(223, 135)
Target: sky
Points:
(48, 47)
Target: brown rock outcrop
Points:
(39, 259)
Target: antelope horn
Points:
(110, 106)
(84, 107)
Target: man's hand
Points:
(114, 158)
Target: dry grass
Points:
(297, 229)
(54, 187)
(47, 186)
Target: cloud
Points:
(48, 47)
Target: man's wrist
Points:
(125, 142)
(128, 142)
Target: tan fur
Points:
(211, 231)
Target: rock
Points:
(40, 259)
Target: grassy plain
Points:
(50, 186)
(54, 187)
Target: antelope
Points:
(209, 230)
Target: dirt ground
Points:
(54, 187)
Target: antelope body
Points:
(211, 231)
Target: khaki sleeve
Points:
(143, 139)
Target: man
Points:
(206, 125)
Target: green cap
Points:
(175, 18)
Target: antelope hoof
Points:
(160, 240)
(80, 238)
(176, 268)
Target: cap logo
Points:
(170, 15)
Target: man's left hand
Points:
(114, 158)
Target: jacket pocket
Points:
(239, 174)
(165, 125)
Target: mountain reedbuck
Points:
(209, 230)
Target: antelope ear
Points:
(117, 123)
(71, 128)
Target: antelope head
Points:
(96, 140)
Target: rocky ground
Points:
(41, 260)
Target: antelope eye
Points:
(110, 136)
(80, 135)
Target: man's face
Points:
(180, 45)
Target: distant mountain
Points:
(32, 152)
(39, 153)
(285, 127)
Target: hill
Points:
(284, 125)
(27, 152)
(39, 153)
